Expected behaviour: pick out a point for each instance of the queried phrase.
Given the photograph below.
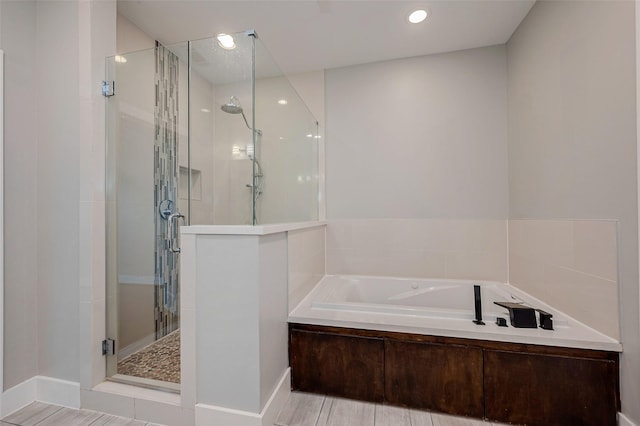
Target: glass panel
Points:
(221, 141)
(287, 147)
(215, 133)
(240, 175)
(145, 138)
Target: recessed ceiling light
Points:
(120, 59)
(418, 16)
(226, 41)
(283, 102)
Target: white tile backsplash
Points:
(595, 248)
(571, 265)
(306, 260)
(422, 248)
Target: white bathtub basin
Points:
(453, 299)
(436, 307)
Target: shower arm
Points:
(258, 131)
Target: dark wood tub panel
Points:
(445, 378)
(506, 382)
(347, 366)
(549, 390)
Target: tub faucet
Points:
(478, 305)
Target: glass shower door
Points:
(146, 157)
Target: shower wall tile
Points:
(422, 248)
(306, 260)
(166, 171)
(571, 265)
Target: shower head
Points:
(232, 107)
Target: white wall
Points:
(572, 137)
(421, 137)
(73, 39)
(18, 40)
(130, 38)
(417, 166)
(55, 51)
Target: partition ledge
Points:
(249, 229)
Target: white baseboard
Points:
(58, 392)
(43, 389)
(18, 396)
(277, 399)
(212, 415)
(624, 420)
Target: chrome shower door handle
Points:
(173, 247)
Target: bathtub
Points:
(436, 307)
(450, 299)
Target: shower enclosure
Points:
(206, 132)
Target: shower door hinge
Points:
(108, 347)
(108, 88)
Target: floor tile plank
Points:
(345, 412)
(71, 417)
(32, 414)
(109, 420)
(445, 420)
(387, 415)
(301, 409)
(420, 418)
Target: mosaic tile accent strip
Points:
(166, 172)
(159, 361)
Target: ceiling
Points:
(307, 35)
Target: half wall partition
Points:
(199, 133)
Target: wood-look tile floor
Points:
(305, 409)
(40, 414)
(302, 409)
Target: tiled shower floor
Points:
(158, 361)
